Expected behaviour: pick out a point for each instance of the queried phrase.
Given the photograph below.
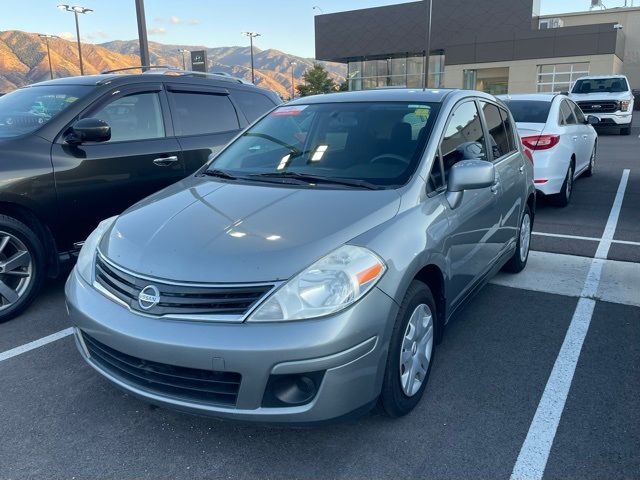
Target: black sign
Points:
(199, 61)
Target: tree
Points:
(316, 81)
(344, 86)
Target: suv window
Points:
(566, 114)
(511, 131)
(253, 104)
(601, 85)
(463, 138)
(133, 117)
(577, 112)
(197, 113)
(498, 138)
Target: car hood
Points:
(201, 230)
(581, 97)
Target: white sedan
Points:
(563, 142)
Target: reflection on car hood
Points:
(201, 230)
(581, 97)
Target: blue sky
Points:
(285, 24)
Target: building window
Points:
(560, 77)
(397, 71)
(491, 80)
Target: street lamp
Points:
(46, 40)
(427, 52)
(184, 62)
(293, 91)
(76, 10)
(251, 36)
(315, 7)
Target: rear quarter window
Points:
(253, 104)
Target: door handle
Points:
(494, 188)
(521, 169)
(585, 137)
(575, 138)
(165, 161)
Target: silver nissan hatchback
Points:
(307, 271)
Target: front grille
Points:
(189, 384)
(598, 107)
(179, 299)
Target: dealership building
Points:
(498, 46)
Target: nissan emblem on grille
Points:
(148, 297)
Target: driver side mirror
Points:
(89, 130)
(468, 175)
(592, 120)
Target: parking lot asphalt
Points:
(489, 384)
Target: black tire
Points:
(563, 198)
(393, 401)
(625, 130)
(592, 161)
(33, 245)
(518, 262)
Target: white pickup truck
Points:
(607, 97)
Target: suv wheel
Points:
(410, 352)
(21, 267)
(518, 261)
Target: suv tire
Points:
(24, 276)
(400, 393)
(518, 261)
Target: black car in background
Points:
(74, 151)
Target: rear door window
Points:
(199, 113)
(512, 137)
(577, 112)
(253, 104)
(498, 137)
(566, 114)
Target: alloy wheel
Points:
(417, 349)
(16, 270)
(525, 237)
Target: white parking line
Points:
(577, 237)
(35, 344)
(534, 453)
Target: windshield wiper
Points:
(219, 174)
(308, 178)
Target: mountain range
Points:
(23, 60)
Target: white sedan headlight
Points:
(331, 284)
(87, 255)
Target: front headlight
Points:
(86, 257)
(624, 105)
(331, 284)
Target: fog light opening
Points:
(292, 390)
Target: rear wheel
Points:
(21, 267)
(410, 352)
(563, 198)
(518, 261)
(592, 162)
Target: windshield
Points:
(379, 143)
(27, 109)
(598, 85)
(529, 111)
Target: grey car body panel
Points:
(181, 234)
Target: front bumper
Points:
(349, 347)
(613, 119)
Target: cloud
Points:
(175, 20)
(158, 20)
(67, 35)
(157, 31)
(99, 35)
(194, 22)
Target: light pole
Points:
(251, 36)
(293, 90)
(46, 40)
(315, 7)
(427, 52)
(76, 10)
(184, 62)
(143, 43)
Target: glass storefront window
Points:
(399, 71)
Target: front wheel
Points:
(592, 162)
(518, 261)
(563, 198)
(21, 267)
(410, 352)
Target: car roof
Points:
(540, 97)
(385, 95)
(127, 78)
